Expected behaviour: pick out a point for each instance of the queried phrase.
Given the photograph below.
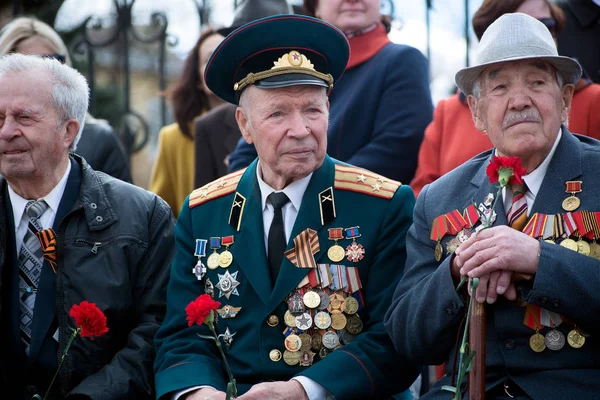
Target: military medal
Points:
(595, 250)
(272, 321)
(213, 259)
(304, 321)
(330, 340)
(292, 342)
(572, 202)
(228, 311)
(322, 320)
(569, 228)
(199, 269)
(354, 252)
(275, 355)
(306, 359)
(459, 239)
(323, 352)
(338, 321)
(438, 230)
(289, 319)
(337, 304)
(324, 301)
(305, 339)
(311, 299)
(291, 357)
(346, 337)
(555, 340)
(296, 304)
(316, 343)
(209, 288)
(488, 200)
(225, 258)
(228, 338)
(351, 306)
(336, 252)
(576, 340)
(569, 244)
(354, 324)
(537, 342)
(228, 284)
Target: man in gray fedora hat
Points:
(542, 333)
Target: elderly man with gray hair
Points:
(71, 235)
(542, 333)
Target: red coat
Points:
(451, 138)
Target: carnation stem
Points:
(62, 359)
(231, 387)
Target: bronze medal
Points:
(306, 342)
(575, 339)
(291, 357)
(292, 342)
(337, 304)
(338, 321)
(555, 340)
(272, 321)
(438, 251)
(336, 253)
(583, 247)
(311, 299)
(537, 342)
(316, 343)
(595, 250)
(354, 324)
(351, 305)
(569, 244)
(571, 203)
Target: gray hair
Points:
(70, 91)
(476, 91)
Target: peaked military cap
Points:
(277, 51)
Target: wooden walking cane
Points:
(477, 323)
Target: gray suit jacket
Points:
(426, 312)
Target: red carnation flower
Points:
(505, 170)
(200, 311)
(89, 319)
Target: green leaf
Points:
(449, 388)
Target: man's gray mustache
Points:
(520, 116)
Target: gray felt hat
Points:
(516, 36)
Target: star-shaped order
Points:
(360, 178)
(228, 284)
(306, 359)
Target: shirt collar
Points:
(534, 179)
(294, 191)
(52, 199)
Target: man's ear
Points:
(473, 103)
(243, 123)
(72, 129)
(567, 99)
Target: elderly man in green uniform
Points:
(303, 252)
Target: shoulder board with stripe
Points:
(361, 180)
(219, 188)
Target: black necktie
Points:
(277, 242)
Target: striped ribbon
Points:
(47, 238)
(306, 245)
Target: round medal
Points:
(571, 203)
(575, 339)
(272, 321)
(347, 337)
(213, 261)
(354, 324)
(275, 355)
(291, 357)
(311, 299)
(322, 320)
(292, 342)
(330, 340)
(537, 343)
(323, 352)
(304, 321)
(583, 247)
(595, 250)
(324, 301)
(438, 252)
(225, 259)
(336, 253)
(351, 305)
(569, 244)
(338, 321)
(337, 304)
(555, 340)
(306, 342)
(289, 319)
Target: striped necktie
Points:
(517, 215)
(30, 267)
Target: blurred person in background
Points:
(381, 105)
(173, 172)
(99, 145)
(580, 38)
(451, 138)
(216, 132)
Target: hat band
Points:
(252, 78)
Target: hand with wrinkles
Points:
(290, 390)
(493, 255)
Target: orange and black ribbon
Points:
(47, 239)
(306, 245)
